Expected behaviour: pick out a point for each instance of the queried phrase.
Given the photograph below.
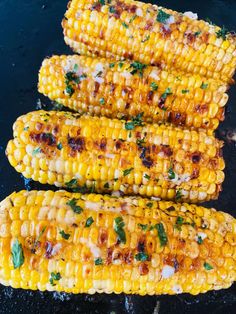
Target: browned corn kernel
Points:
(124, 89)
(107, 155)
(151, 35)
(59, 241)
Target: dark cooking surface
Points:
(30, 30)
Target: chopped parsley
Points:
(178, 195)
(59, 146)
(17, 254)
(76, 208)
(171, 174)
(223, 32)
(54, 277)
(179, 222)
(197, 33)
(72, 184)
(126, 172)
(143, 227)
(111, 65)
(99, 74)
(137, 67)
(64, 235)
(106, 185)
(162, 16)
(132, 18)
(154, 86)
(26, 128)
(119, 229)
(141, 257)
(166, 93)
(145, 39)
(140, 141)
(125, 25)
(89, 222)
(161, 234)
(207, 266)
(36, 151)
(120, 65)
(112, 9)
(136, 121)
(204, 86)
(149, 205)
(98, 261)
(146, 176)
(199, 240)
(76, 67)
(185, 91)
(102, 101)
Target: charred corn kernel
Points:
(151, 35)
(147, 259)
(97, 86)
(123, 157)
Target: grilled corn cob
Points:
(150, 34)
(106, 155)
(124, 89)
(94, 243)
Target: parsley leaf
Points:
(141, 257)
(161, 234)
(111, 65)
(149, 205)
(54, 277)
(143, 227)
(146, 176)
(171, 174)
(59, 146)
(185, 91)
(204, 86)
(89, 222)
(72, 184)
(199, 240)
(125, 25)
(120, 65)
(162, 16)
(178, 195)
(137, 67)
(223, 32)
(98, 261)
(102, 101)
(166, 93)
(76, 208)
(36, 151)
(17, 254)
(64, 235)
(145, 39)
(207, 266)
(118, 227)
(179, 223)
(154, 86)
(126, 172)
(136, 121)
(132, 18)
(106, 185)
(112, 9)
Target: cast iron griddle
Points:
(30, 30)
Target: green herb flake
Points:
(64, 235)
(112, 9)
(149, 205)
(223, 32)
(120, 64)
(179, 222)
(126, 172)
(76, 208)
(102, 2)
(178, 195)
(140, 141)
(185, 91)
(171, 174)
(89, 222)
(207, 266)
(166, 93)
(70, 90)
(146, 176)
(59, 146)
(197, 33)
(106, 185)
(125, 25)
(161, 234)
(119, 229)
(17, 254)
(154, 86)
(143, 227)
(204, 86)
(26, 128)
(54, 277)
(111, 65)
(162, 16)
(102, 101)
(145, 39)
(98, 261)
(142, 257)
(137, 67)
(132, 18)
(199, 240)
(72, 184)
(76, 67)
(136, 121)
(36, 151)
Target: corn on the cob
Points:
(124, 89)
(163, 161)
(94, 243)
(150, 34)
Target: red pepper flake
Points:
(143, 269)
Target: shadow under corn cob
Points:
(67, 150)
(124, 89)
(151, 35)
(59, 241)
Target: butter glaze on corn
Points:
(178, 266)
(117, 93)
(130, 29)
(163, 161)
